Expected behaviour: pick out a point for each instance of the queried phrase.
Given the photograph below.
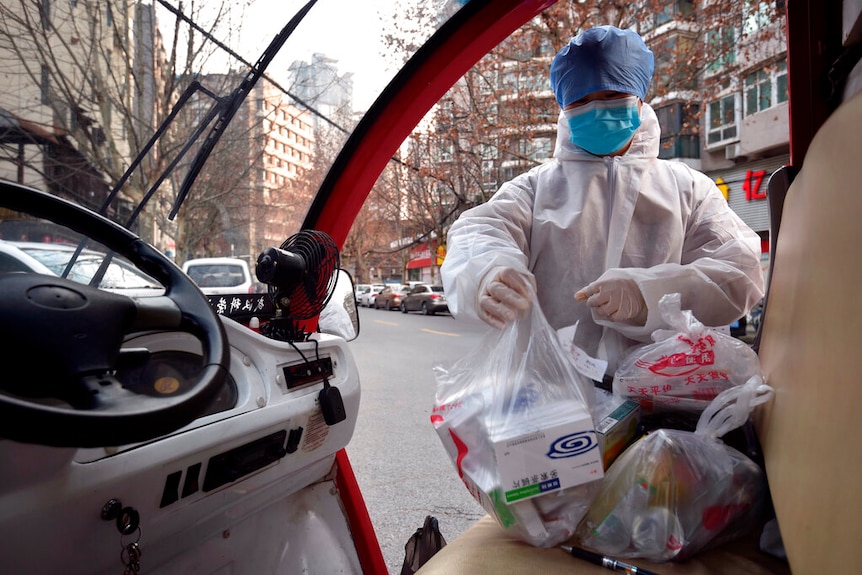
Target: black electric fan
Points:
(301, 275)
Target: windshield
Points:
(214, 275)
(119, 274)
(234, 125)
(237, 114)
(320, 67)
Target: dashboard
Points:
(264, 440)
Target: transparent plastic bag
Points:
(514, 417)
(686, 366)
(674, 493)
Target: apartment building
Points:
(286, 138)
(719, 91)
(727, 113)
(250, 184)
(70, 110)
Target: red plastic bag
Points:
(686, 367)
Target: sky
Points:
(334, 33)
(332, 27)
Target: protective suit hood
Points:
(645, 143)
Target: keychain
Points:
(130, 556)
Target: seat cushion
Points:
(486, 548)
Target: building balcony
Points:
(764, 131)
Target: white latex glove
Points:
(505, 294)
(616, 299)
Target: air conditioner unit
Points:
(733, 151)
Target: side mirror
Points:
(340, 316)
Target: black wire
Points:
(320, 369)
(305, 360)
(299, 351)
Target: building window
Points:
(781, 95)
(489, 173)
(510, 82)
(489, 164)
(756, 14)
(446, 152)
(546, 47)
(766, 87)
(487, 82)
(671, 9)
(535, 149)
(721, 120)
(673, 70)
(45, 86)
(534, 80)
(667, 11)
(721, 48)
(678, 137)
(509, 173)
(45, 14)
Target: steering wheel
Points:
(60, 342)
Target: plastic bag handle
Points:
(732, 407)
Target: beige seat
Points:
(811, 339)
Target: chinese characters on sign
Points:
(241, 304)
(752, 185)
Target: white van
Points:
(220, 276)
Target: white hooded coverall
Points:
(580, 217)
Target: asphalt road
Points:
(398, 459)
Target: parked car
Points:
(390, 297)
(220, 276)
(361, 289)
(12, 259)
(366, 299)
(53, 259)
(429, 299)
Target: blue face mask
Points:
(603, 127)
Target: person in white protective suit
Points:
(606, 228)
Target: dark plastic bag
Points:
(674, 493)
(422, 545)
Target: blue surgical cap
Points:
(602, 58)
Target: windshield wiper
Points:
(222, 112)
(229, 106)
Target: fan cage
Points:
(315, 289)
